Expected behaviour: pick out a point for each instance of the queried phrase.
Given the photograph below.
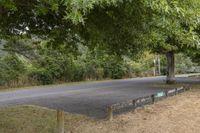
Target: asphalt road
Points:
(90, 98)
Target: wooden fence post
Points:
(166, 93)
(176, 91)
(134, 104)
(60, 122)
(153, 98)
(110, 113)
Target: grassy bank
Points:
(33, 119)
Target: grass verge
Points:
(53, 85)
(34, 119)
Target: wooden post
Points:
(166, 93)
(176, 91)
(190, 88)
(134, 104)
(184, 88)
(110, 113)
(153, 98)
(60, 122)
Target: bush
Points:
(50, 69)
(11, 68)
(40, 75)
(78, 72)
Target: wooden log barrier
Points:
(142, 101)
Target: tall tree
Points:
(165, 27)
(123, 26)
(173, 30)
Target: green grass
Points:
(33, 119)
(53, 85)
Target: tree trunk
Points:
(170, 68)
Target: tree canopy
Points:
(122, 24)
(122, 27)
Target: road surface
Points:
(88, 98)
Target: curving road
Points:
(88, 98)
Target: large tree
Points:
(123, 26)
(173, 31)
(165, 27)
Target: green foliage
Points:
(98, 64)
(173, 24)
(11, 69)
(8, 4)
(185, 64)
(194, 53)
(124, 27)
(40, 75)
(51, 65)
(112, 30)
(57, 65)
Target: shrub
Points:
(11, 68)
(40, 75)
